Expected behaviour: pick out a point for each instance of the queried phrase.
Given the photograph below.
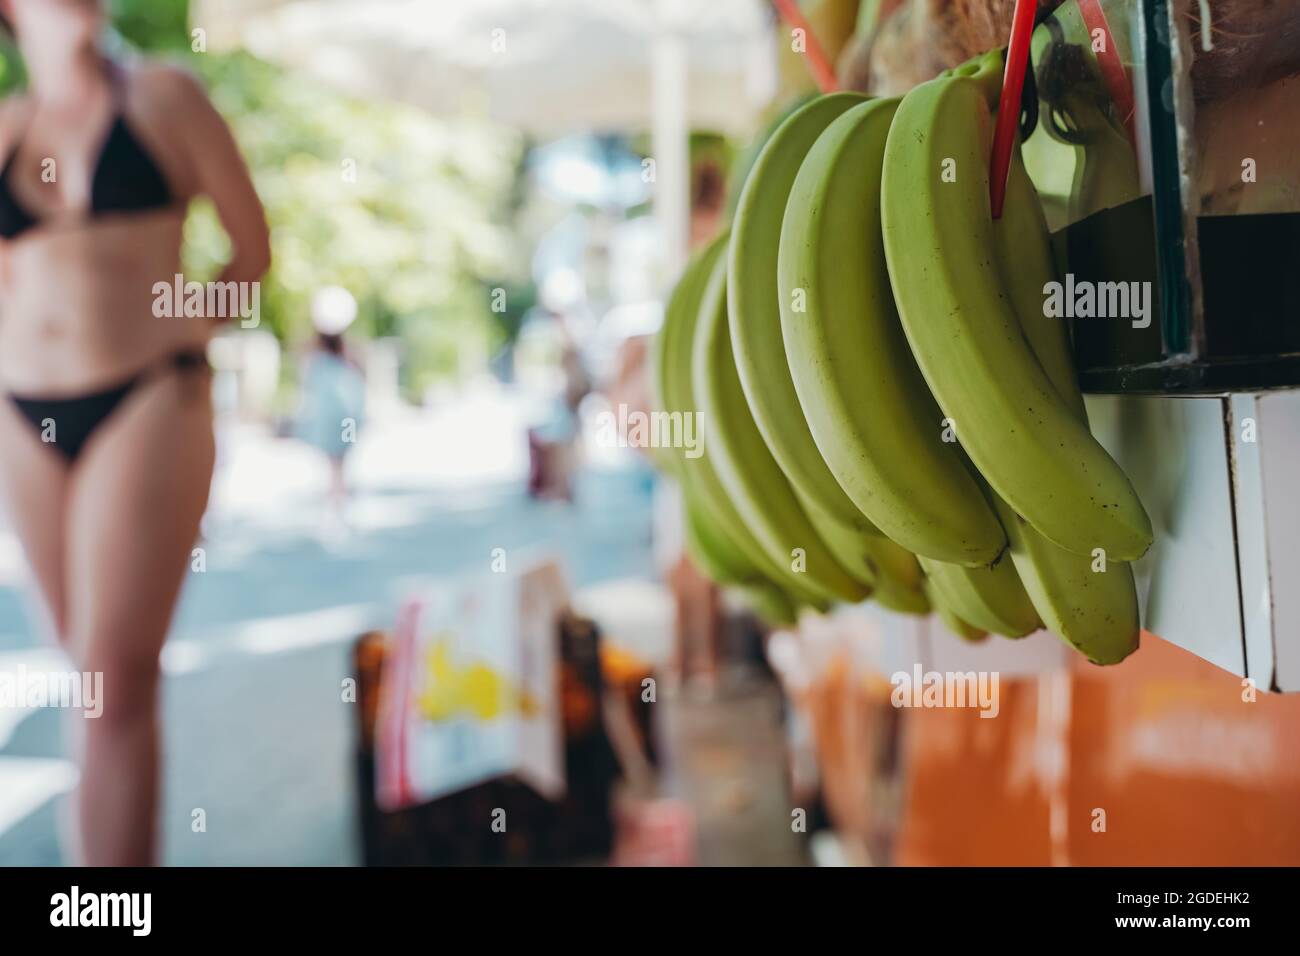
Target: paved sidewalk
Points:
(257, 736)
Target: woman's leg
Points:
(137, 495)
(34, 483)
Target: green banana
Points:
(869, 409)
(1022, 436)
(903, 600)
(736, 450)
(728, 566)
(772, 605)
(890, 570)
(1023, 253)
(679, 311)
(950, 618)
(713, 551)
(900, 585)
(754, 313)
(894, 563)
(676, 386)
(843, 542)
(1094, 611)
(992, 599)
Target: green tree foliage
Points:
(410, 213)
(152, 24)
(399, 208)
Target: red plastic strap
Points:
(819, 65)
(1113, 73)
(1013, 85)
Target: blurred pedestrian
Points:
(333, 399)
(553, 438)
(106, 444)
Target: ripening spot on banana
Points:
(1098, 560)
(948, 170)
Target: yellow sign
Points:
(476, 690)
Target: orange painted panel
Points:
(972, 796)
(1186, 771)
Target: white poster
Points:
(471, 688)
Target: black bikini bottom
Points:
(68, 423)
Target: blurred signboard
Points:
(473, 693)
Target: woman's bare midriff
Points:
(78, 306)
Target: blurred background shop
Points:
(507, 189)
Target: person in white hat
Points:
(332, 409)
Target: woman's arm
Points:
(221, 174)
(8, 125)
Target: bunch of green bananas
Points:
(886, 409)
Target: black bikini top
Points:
(126, 178)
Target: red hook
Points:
(818, 63)
(1113, 72)
(1013, 85)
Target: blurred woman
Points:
(333, 398)
(106, 445)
